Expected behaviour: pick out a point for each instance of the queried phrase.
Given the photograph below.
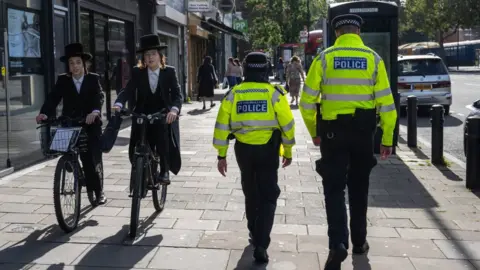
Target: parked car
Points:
(474, 110)
(427, 78)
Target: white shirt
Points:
(153, 79)
(78, 83)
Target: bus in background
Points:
(313, 47)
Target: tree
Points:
(439, 19)
(284, 18)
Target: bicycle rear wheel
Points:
(71, 192)
(136, 195)
(159, 202)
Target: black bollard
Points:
(437, 120)
(412, 121)
(473, 152)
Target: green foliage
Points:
(439, 19)
(280, 21)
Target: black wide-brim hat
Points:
(150, 42)
(256, 61)
(347, 19)
(75, 50)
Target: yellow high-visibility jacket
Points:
(251, 111)
(344, 77)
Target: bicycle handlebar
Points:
(155, 116)
(62, 120)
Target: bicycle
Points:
(145, 169)
(66, 137)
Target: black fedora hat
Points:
(75, 50)
(150, 42)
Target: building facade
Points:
(32, 39)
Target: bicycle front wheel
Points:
(67, 192)
(136, 195)
(159, 201)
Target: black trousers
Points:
(157, 138)
(92, 159)
(347, 160)
(259, 177)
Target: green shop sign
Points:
(240, 25)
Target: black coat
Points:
(75, 104)
(169, 94)
(207, 80)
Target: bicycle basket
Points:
(57, 140)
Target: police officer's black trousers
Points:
(259, 177)
(347, 160)
(92, 159)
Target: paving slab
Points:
(421, 217)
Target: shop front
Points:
(27, 65)
(197, 50)
(170, 24)
(109, 35)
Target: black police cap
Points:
(256, 61)
(347, 19)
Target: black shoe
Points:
(92, 198)
(204, 108)
(163, 178)
(260, 255)
(360, 250)
(212, 105)
(336, 257)
(101, 199)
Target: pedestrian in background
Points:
(230, 73)
(239, 69)
(257, 114)
(207, 80)
(295, 75)
(280, 70)
(352, 82)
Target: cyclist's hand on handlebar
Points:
(91, 118)
(116, 109)
(41, 117)
(171, 116)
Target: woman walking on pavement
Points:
(230, 73)
(280, 70)
(239, 69)
(294, 73)
(207, 80)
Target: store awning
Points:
(219, 26)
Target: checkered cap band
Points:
(347, 22)
(257, 65)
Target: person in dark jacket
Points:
(156, 87)
(82, 96)
(207, 80)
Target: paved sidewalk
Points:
(420, 217)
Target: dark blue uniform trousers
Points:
(347, 159)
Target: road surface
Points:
(465, 90)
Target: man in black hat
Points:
(352, 82)
(82, 96)
(258, 116)
(155, 87)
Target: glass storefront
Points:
(24, 93)
(112, 45)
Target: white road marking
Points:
(461, 114)
(472, 84)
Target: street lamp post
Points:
(307, 64)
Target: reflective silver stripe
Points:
(348, 49)
(230, 97)
(375, 71)
(383, 93)
(388, 108)
(222, 126)
(243, 91)
(308, 106)
(324, 67)
(310, 91)
(247, 130)
(252, 123)
(340, 97)
(275, 97)
(220, 142)
(344, 81)
(287, 141)
(288, 126)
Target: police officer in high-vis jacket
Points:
(258, 116)
(350, 82)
